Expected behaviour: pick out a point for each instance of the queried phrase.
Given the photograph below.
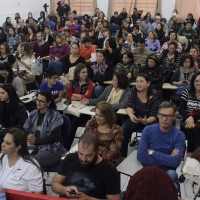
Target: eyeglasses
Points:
(186, 62)
(160, 115)
(40, 101)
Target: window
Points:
(118, 5)
(147, 6)
(83, 6)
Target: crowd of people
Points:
(78, 57)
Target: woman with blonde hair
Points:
(58, 51)
(110, 134)
(152, 44)
(48, 36)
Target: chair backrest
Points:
(65, 129)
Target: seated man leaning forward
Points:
(162, 145)
(86, 175)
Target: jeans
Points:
(128, 128)
(173, 175)
(98, 90)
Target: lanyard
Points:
(9, 173)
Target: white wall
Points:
(167, 7)
(8, 8)
(103, 6)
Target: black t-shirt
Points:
(67, 64)
(63, 9)
(98, 181)
(135, 17)
(9, 58)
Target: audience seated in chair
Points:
(182, 77)
(23, 63)
(31, 36)
(27, 175)
(142, 108)
(43, 128)
(109, 133)
(128, 67)
(112, 53)
(81, 87)
(100, 71)
(169, 60)
(116, 94)
(162, 145)
(12, 111)
(172, 38)
(87, 51)
(140, 53)
(53, 84)
(6, 55)
(154, 71)
(152, 44)
(69, 62)
(7, 76)
(58, 51)
(48, 36)
(92, 168)
(189, 102)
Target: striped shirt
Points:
(140, 57)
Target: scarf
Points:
(114, 96)
(99, 69)
(186, 76)
(52, 120)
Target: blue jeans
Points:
(128, 128)
(173, 175)
(98, 90)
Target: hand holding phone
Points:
(72, 192)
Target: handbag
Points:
(191, 171)
(194, 112)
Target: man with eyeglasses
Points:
(163, 145)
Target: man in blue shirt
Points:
(49, 23)
(162, 145)
(53, 85)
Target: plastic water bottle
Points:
(2, 194)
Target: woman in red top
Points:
(81, 87)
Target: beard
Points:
(87, 165)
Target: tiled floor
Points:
(124, 178)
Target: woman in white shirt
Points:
(19, 170)
(23, 63)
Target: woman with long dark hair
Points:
(43, 127)
(12, 39)
(142, 109)
(42, 17)
(128, 66)
(12, 110)
(6, 55)
(3, 35)
(21, 39)
(7, 76)
(31, 36)
(190, 101)
(17, 164)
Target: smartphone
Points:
(25, 99)
(72, 192)
(67, 102)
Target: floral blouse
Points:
(110, 143)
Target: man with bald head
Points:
(22, 29)
(68, 26)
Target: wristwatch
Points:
(151, 152)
